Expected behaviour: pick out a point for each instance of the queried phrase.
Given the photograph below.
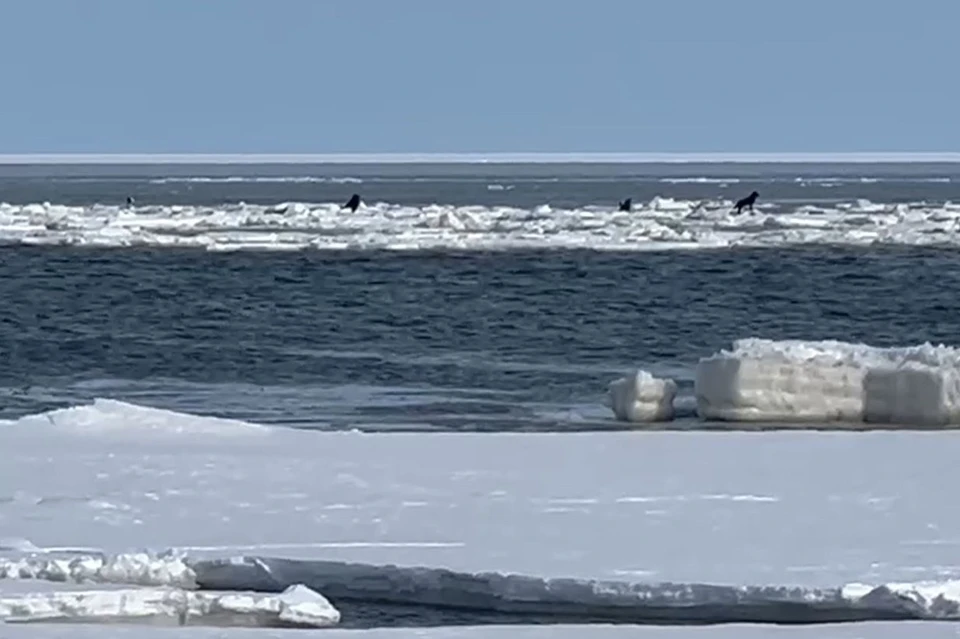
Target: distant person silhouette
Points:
(746, 202)
(353, 203)
(626, 205)
(130, 200)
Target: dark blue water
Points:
(517, 340)
(489, 341)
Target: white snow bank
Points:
(297, 606)
(139, 569)
(641, 397)
(823, 381)
(108, 416)
(444, 596)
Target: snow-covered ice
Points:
(830, 381)
(660, 224)
(824, 518)
(641, 397)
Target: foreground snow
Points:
(606, 527)
(659, 224)
(796, 381)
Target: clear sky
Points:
(368, 76)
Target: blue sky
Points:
(370, 76)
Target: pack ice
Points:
(796, 381)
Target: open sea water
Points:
(440, 339)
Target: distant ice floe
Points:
(803, 382)
(660, 224)
(386, 595)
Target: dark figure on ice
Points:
(626, 205)
(746, 202)
(353, 203)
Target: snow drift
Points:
(118, 419)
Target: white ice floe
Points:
(662, 223)
(829, 381)
(641, 397)
(297, 606)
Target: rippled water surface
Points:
(512, 340)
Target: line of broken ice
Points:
(660, 224)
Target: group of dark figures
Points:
(627, 205)
(744, 203)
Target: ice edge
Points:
(446, 596)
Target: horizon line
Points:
(483, 158)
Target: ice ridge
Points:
(429, 596)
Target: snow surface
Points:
(830, 381)
(641, 397)
(633, 510)
(659, 224)
(296, 606)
